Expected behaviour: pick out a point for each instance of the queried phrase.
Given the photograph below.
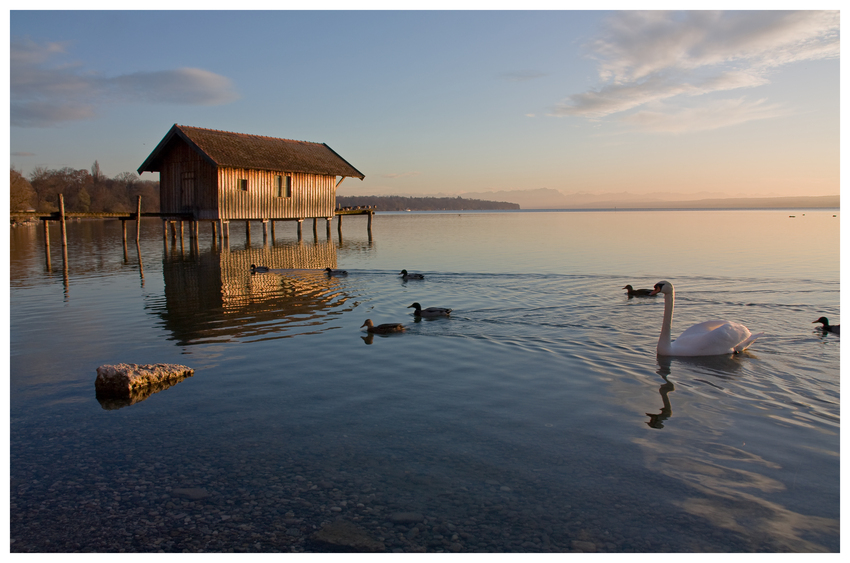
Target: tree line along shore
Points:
(90, 191)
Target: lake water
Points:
(537, 418)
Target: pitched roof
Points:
(239, 150)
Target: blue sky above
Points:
(444, 102)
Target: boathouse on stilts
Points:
(219, 176)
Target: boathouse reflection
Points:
(213, 296)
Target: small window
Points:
(243, 184)
(283, 186)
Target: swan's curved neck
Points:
(664, 345)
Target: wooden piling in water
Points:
(47, 242)
(62, 220)
(138, 218)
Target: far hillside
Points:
(400, 203)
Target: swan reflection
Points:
(657, 420)
(724, 367)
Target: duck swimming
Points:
(332, 272)
(258, 269)
(709, 338)
(405, 276)
(430, 311)
(387, 328)
(632, 292)
(835, 329)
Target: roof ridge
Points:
(248, 134)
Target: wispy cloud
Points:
(44, 94)
(704, 117)
(646, 58)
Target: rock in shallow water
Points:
(124, 381)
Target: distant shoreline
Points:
(404, 204)
(613, 209)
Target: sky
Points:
(443, 102)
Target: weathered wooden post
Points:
(329, 227)
(265, 231)
(62, 220)
(339, 226)
(299, 228)
(272, 221)
(248, 233)
(138, 218)
(315, 235)
(47, 243)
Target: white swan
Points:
(711, 338)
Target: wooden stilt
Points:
(62, 220)
(265, 231)
(329, 227)
(138, 218)
(47, 243)
(299, 228)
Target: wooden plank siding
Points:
(177, 195)
(313, 195)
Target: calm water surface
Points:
(537, 418)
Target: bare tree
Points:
(21, 192)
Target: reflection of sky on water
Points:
(733, 486)
(545, 378)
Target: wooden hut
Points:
(221, 176)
